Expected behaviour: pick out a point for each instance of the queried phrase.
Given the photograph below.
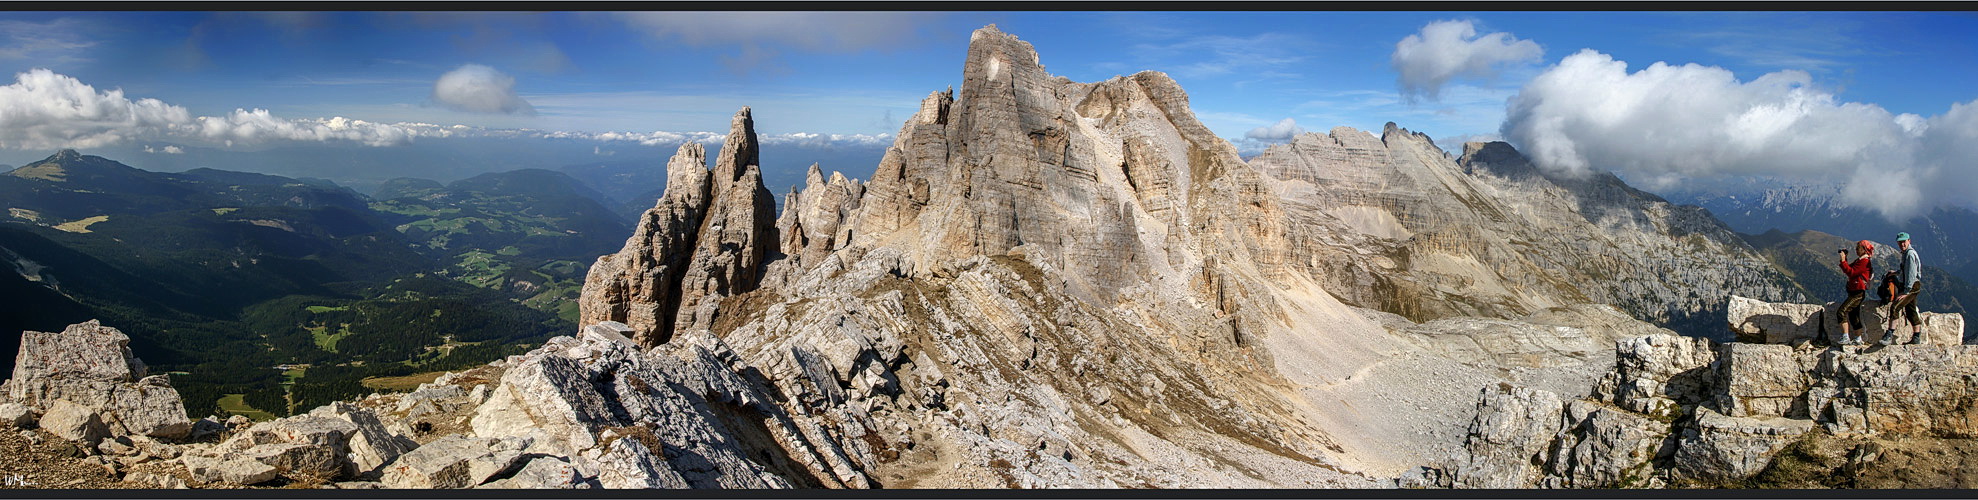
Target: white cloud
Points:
(479, 89)
(46, 110)
(259, 125)
(1666, 124)
(1445, 50)
(1281, 131)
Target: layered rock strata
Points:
(1420, 233)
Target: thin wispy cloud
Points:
(759, 38)
(1219, 55)
(56, 41)
(1777, 44)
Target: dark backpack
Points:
(1888, 288)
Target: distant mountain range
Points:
(221, 274)
(1946, 236)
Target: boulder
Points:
(116, 447)
(16, 415)
(372, 445)
(73, 422)
(150, 407)
(454, 461)
(1756, 321)
(542, 473)
(91, 366)
(1719, 449)
(206, 427)
(228, 469)
(1763, 380)
(309, 445)
(86, 351)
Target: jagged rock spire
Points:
(706, 239)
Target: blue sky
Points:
(859, 74)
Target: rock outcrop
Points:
(1687, 411)
(707, 238)
(85, 374)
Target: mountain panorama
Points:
(1043, 284)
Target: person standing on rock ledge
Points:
(1857, 273)
(1910, 276)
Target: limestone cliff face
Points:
(1488, 234)
(707, 238)
(1113, 182)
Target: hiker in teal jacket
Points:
(1909, 274)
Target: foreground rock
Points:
(88, 368)
(1686, 411)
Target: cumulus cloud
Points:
(261, 126)
(1445, 50)
(479, 89)
(170, 150)
(46, 110)
(1281, 131)
(1667, 124)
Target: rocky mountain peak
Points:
(707, 238)
(739, 151)
(1496, 158)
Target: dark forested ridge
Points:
(262, 293)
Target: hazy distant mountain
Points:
(222, 274)
(1946, 237)
(1809, 257)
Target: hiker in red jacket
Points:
(1857, 273)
